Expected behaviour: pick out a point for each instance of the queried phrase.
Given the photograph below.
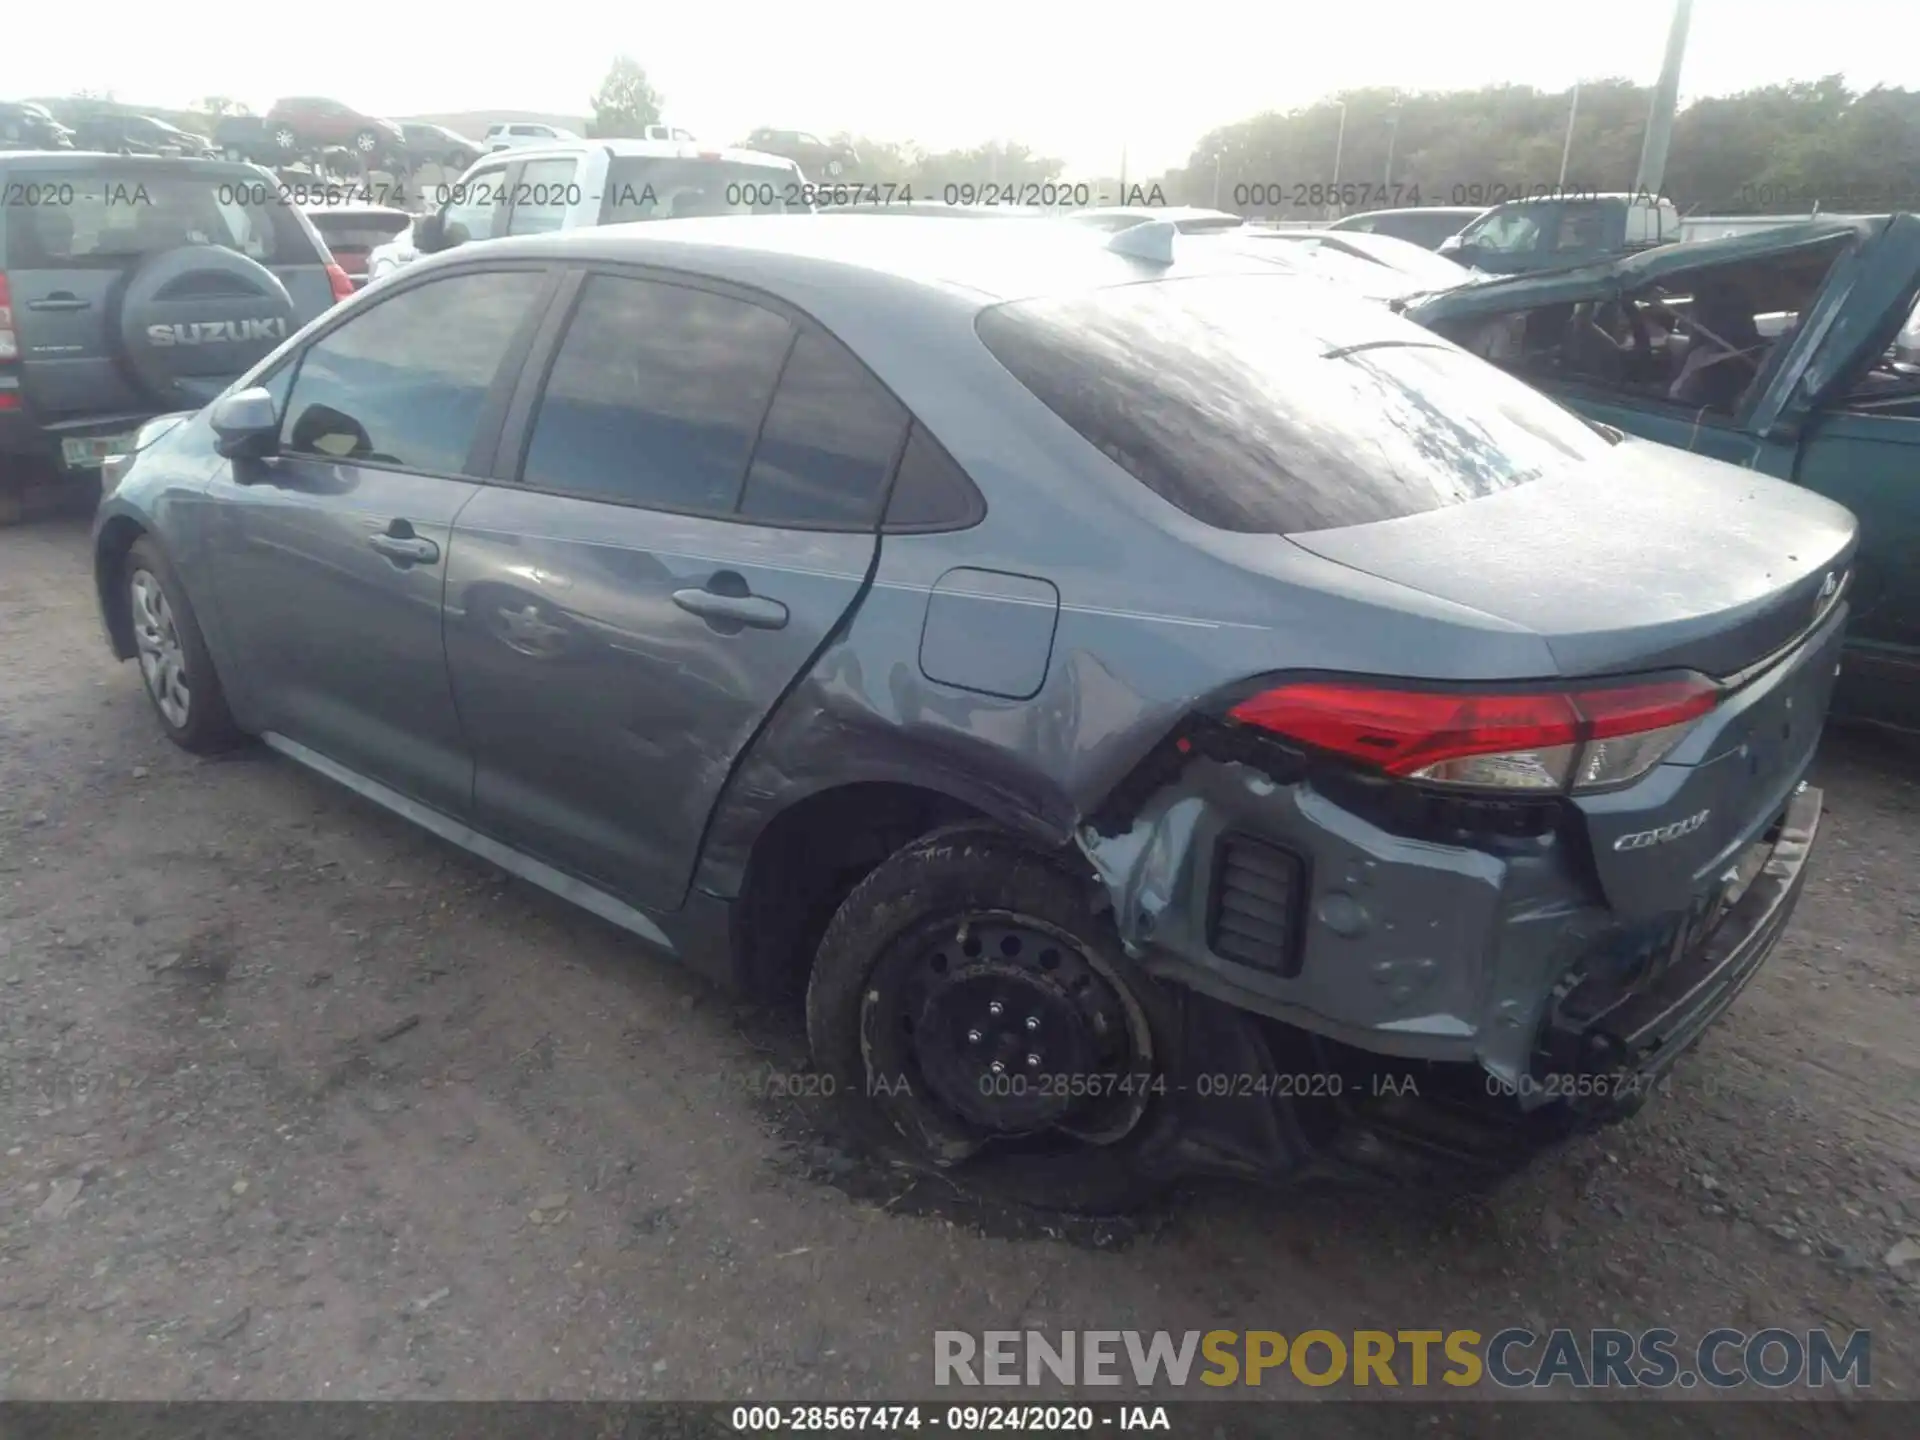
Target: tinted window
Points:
(403, 382)
(656, 395)
(827, 444)
(541, 196)
(1269, 403)
(931, 492)
(644, 188)
(119, 216)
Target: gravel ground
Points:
(298, 1102)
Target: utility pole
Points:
(1339, 144)
(1666, 99)
(1217, 160)
(1393, 133)
(1566, 150)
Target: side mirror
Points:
(1452, 247)
(245, 425)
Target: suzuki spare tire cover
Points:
(194, 317)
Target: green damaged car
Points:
(1775, 350)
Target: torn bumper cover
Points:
(1277, 900)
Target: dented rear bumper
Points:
(1454, 949)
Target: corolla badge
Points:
(1642, 839)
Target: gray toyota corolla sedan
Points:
(1165, 715)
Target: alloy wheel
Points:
(163, 662)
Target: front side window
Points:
(656, 395)
(477, 205)
(1509, 232)
(403, 383)
(541, 196)
(1265, 403)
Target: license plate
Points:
(91, 453)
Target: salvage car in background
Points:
(573, 184)
(1673, 344)
(27, 126)
(1420, 266)
(353, 231)
(1428, 226)
(1140, 695)
(297, 125)
(139, 285)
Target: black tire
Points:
(973, 871)
(205, 726)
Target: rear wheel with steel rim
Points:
(969, 1002)
(174, 664)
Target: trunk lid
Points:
(1654, 560)
(1646, 559)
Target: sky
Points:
(1076, 80)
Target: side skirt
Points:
(525, 867)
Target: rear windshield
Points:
(1273, 404)
(645, 188)
(111, 218)
(358, 232)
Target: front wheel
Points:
(285, 140)
(174, 664)
(973, 1006)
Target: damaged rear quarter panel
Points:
(1408, 947)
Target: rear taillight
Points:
(341, 282)
(9, 342)
(1583, 739)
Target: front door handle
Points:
(60, 300)
(406, 549)
(755, 610)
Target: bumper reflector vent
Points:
(1253, 916)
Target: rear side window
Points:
(110, 219)
(1272, 404)
(656, 395)
(403, 382)
(828, 442)
(668, 188)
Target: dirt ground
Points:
(298, 1102)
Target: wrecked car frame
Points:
(1824, 394)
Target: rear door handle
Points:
(407, 549)
(755, 610)
(60, 300)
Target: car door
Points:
(329, 558)
(690, 509)
(477, 204)
(540, 196)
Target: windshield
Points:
(667, 188)
(1269, 404)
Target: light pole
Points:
(1393, 133)
(1339, 144)
(1217, 159)
(1666, 99)
(1566, 150)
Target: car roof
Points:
(795, 253)
(643, 149)
(1411, 210)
